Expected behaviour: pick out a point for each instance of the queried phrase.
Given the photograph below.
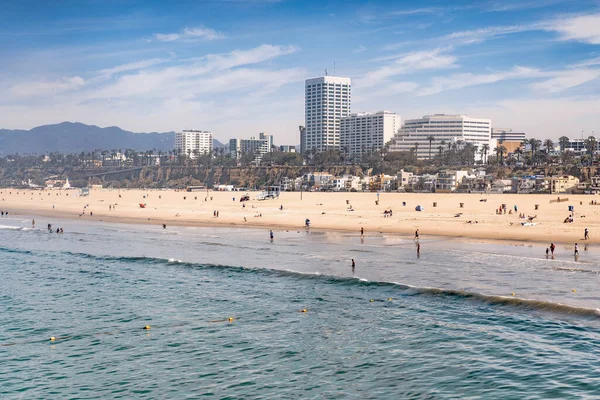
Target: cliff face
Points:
(183, 176)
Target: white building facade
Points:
(327, 100)
(507, 135)
(258, 147)
(364, 133)
(415, 134)
(192, 143)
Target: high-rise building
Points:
(327, 100)
(193, 143)
(441, 130)
(258, 147)
(364, 133)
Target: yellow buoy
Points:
(513, 293)
(574, 290)
(371, 300)
(230, 319)
(52, 338)
(147, 327)
(304, 310)
(389, 299)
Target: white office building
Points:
(365, 133)
(415, 134)
(327, 101)
(193, 143)
(256, 146)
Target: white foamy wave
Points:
(174, 260)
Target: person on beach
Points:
(353, 265)
(164, 226)
(271, 235)
(552, 247)
(417, 234)
(547, 251)
(576, 250)
(586, 234)
(33, 223)
(362, 232)
(418, 249)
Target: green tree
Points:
(563, 141)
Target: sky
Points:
(237, 67)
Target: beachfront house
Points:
(562, 184)
(403, 178)
(448, 180)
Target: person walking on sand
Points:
(586, 234)
(552, 247)
(576, 250)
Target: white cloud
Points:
(582, 28)
(359, 49)
(194, 75)
(458, 81)
(201, 33)
(483, 34)
(45, 88)
(543, 117)
(587, 63)
(409, 63)
(107, 72)
(564, 80)
(424, 10)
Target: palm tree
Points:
(500, 151)
(430, 138)
(548, 145)
(484, 151)
(563, 141)
(417, 150)
(591, 144)
(518, 152)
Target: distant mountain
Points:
(75, 137)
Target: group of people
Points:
(3, 213)
(50, 230)
(387, 213)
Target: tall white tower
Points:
(327, 100)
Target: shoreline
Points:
(459, 216)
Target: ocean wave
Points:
(494, 300)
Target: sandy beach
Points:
(477, 218)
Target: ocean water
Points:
(463, 320)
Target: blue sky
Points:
(237, 67)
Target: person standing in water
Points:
(362, 232)
(33, 223)
(353, 265)
(417, 234)
(271, 235)
(552, 247)
(576, 250)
